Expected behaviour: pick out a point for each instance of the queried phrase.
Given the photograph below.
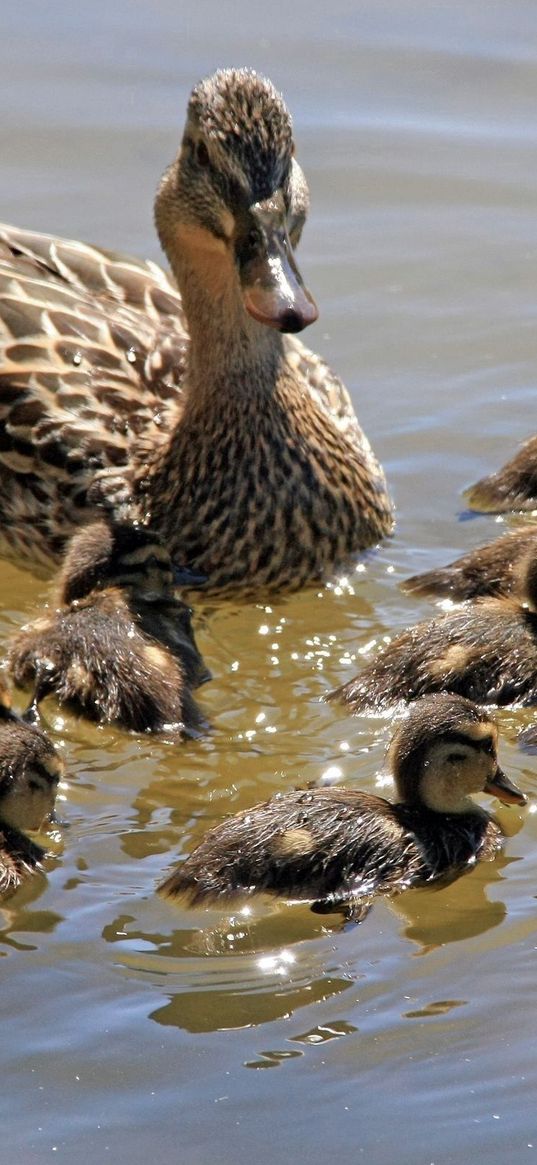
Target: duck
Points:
(116, 643)
(187, 397)
(513, 487)
(485, 650)
(30, 770)
(492, 569)
(336, 848)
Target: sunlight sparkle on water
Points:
(276, 963)
(331, 775)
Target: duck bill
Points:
(504, 789)
(272, 286)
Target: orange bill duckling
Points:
(336, 848)
(492, 569)
(485, 650)
(513, 487)
(30, 770)
(116, 644)
(189, 397)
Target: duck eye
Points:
(202, 154)
(488, 747)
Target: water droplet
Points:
(131, 355)
(77, 358)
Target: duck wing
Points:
(92, 356)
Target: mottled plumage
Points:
(123, 653)
(238, 445)
(513, 487)
(493, 569)
(30, 769)
(485, 650)
(338, 847)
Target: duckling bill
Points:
(337, 848)
(117, 646)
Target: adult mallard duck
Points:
(492, 569)
(485, 650)
(238, 445)
(513, 487)
(115, 642)
(337, 847)
(30, 770)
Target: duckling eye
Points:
(455, 758)
(488, 747)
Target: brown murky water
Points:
(130, 1026)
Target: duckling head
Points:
(30, 770)
(444, 751)
(121, 554)
(235, 200)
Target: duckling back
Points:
(94, 656)
(485, 651)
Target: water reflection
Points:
(460, 910)
(18, 918)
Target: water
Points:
(131, 1026)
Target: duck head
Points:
(233, 203)
(444, 751)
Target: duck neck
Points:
(227, 347)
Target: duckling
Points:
(121, 554)
(485, 650)
(117, 645)
(337, 848)
(513, 487)
(117, 390)
(30, 770)
(492, 569)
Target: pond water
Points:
(132, 1026)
